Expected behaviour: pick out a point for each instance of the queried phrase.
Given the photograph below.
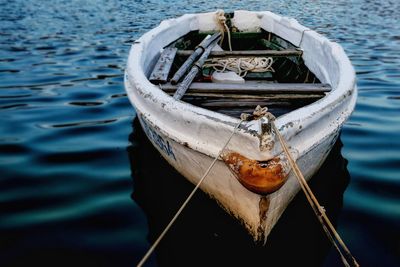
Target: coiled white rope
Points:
(241, 65)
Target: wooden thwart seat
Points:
(254, 88)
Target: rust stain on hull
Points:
(261, 177)
(263, 206)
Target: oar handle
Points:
(184, 85)
(208, 40)
(197, 52)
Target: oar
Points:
(199, 49)
(184, 85)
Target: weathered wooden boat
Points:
(309, 86)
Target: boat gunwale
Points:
(135, 79)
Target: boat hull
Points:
(258, 213)
(190, 138)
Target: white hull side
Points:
(223, 186)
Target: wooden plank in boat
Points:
(163, 65)
(270, 96)
(237, 112)
(247, 53)
(235, 107)
(254, 87)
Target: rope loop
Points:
(221, 22)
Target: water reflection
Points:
(205, 235)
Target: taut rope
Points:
(318, 209)
(151, 249)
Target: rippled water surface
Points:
(65, 122)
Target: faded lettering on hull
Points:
(162, 144)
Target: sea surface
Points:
(81, 186)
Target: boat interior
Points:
(287, 84)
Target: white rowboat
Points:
(189, 136)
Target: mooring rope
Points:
(318, 209)
(160, 237)
(241, 65)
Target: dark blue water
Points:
(65, 121)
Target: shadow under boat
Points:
(205, 235)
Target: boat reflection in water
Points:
(205, 235)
